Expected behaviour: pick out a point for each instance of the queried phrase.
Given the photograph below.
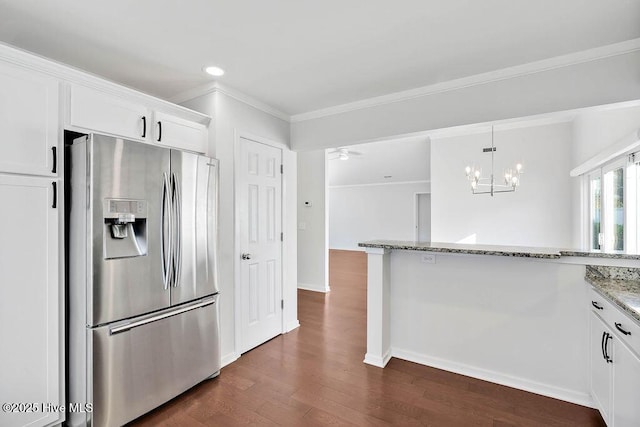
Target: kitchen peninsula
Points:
(516, 316)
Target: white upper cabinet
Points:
(94, 110)
(97, 111)
(29, 121)
(180, 133)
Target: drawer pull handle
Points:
(619, 327)
(596, 305)
(608, 358)
(159, 131)
(144, 126)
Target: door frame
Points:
(238, 135)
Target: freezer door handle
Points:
(126, 327)
(177, 247)
(166, 232)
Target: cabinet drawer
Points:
(601, 306)
(627, 329)
(101, 112)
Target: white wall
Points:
(593, 131)
(514, 321)
(312, 240)
(584, 84)
(537, 214)
(369, 212)
(230, 119)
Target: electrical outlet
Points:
(428, 258)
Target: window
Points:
(595, 210)
(613, 206)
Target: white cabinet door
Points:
(601, 370)
(29, 121)
(626, 387)
(179, 133)
(98, 111)
(30, 302)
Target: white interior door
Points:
(259, 201)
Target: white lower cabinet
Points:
(31, 337)
(601, 366)
(615, 369)
(626, 387)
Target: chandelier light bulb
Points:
(467, 170)
(519, 167)
(477, 174)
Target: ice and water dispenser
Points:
(125, 228)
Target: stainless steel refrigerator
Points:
(142, 289)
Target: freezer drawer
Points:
(141, 363)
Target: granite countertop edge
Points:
(524, 252)
(610, 289)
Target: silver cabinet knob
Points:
(246, 256)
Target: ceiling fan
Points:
(342, 154)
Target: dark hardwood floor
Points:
(315, 376)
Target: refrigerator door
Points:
(139, 364)
(195, 214)
(127, 269)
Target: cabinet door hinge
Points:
(281, 169)
(282, 237)
(282, 303)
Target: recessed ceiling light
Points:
(214, 71)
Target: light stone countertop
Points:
(499, 250)
(619, 285)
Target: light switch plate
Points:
(302, 226)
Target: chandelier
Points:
(480, 185)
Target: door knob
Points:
(246, 256)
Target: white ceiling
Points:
(404, 160)
(300, 56)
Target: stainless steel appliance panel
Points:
(195, 216)
(125, 170)
(143, 362)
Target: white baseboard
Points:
(378, 361)
(573, 396)
(290, 326)
(229, 358)
(315, 288)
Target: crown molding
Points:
(562, 61)
(215, 86)
(29, 60)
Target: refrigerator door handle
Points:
(151, 319)
(166, 232)
(177, 206)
